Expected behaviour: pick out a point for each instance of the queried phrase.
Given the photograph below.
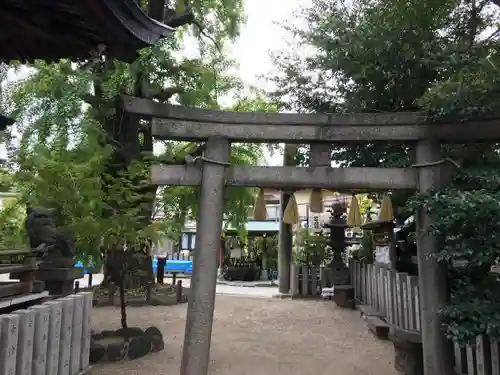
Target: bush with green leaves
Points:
(467, 217)
(311, 248)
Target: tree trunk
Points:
(123, 302)
(139, 269)
(123, 133)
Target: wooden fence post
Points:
(411, 282)
(375, 287)
(460, 359)
(305, 280)
(387, 303)
(418, 316)
(355, 281)
(363, 284)
(471, 359)
(405, 307)
(483, 356)
(369, 292)
(314, 280)
(495, 358)
(294, 280)
(393, 314)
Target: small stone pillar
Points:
(59, 275)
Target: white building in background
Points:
(270, 226)
(6, 196)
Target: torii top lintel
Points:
(194, 124)
(56, 29)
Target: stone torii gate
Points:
(218, 129)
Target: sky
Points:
(260, 35)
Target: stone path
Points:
(260, 336)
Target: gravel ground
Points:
(260, 336)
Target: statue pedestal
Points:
(59, 281)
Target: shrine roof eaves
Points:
(56, 29)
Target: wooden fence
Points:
(304, 280)
(395, 296)
(52, 338)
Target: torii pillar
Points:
(285, 242)
(437, 350)
(200, 310)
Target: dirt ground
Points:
(260, 336)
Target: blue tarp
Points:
(80, 265)
(185, 266)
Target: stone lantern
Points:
(336, 272)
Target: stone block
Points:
(97, 353)
(139, 347)
(9, 331)
(127, 333)
(366, 310)
(156, 339)
(53, 337)
(42, 316)
(377, 326)
(117, 351)
(76, 336)
(344, 296)
(66, 332)
(408, 355)
(86, 329)
(25, 341)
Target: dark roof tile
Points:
(55, 29)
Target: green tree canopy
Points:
(441, 57)
(72, 153)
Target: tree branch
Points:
(165, 94)
(91, 100)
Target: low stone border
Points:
(289, 296)
(86, 371)
(248, 284)
(162, 296)
(125, 343)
